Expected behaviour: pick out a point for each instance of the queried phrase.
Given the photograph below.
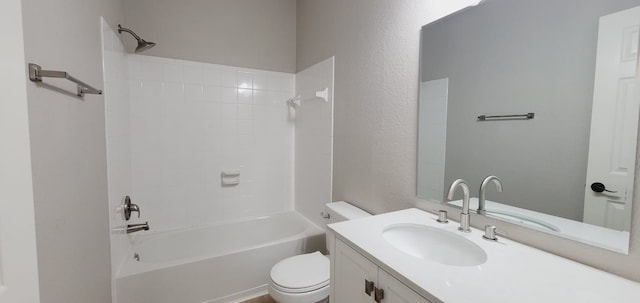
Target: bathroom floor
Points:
(262, 299)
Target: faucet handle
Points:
(442, 217)
(129, 208)
(490, 233)
(135, 208)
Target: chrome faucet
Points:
(464, 215)
(132, 228)
(483, 189)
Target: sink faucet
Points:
(464, 215)
(483, 189)
(132, 228)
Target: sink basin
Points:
(429, 243)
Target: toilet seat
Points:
(301, 274)
(305, 278)
(299, 290)
(301, 279)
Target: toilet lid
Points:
(304, 272)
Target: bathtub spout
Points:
(132, 228)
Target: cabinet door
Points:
(395, 291)
(352, 270)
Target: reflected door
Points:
(614, 122)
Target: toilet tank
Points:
(341, 211)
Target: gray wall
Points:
(376, 45)
(68, 149)
(245, 33)
(512, 57)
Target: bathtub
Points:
(213, 264)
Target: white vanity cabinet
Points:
(355, 279)
(360, 252)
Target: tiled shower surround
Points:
(189, 122)
(173, 128)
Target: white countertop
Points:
(513, 272)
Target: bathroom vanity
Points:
(408, 256)
(357, 279)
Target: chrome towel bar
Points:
(527, 116)
(36, 73)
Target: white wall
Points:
(68, 149)
(190, 121)
(376, 47)
(248, 33)
(314, 140)
(18, 256)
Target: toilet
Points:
(305, 278)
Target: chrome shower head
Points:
(142, 44)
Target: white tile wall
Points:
(173, 126)
(189, 121)
(314, 140)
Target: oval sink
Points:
(429, 243)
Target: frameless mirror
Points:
(544, 95)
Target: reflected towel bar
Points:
(36, 73)
(527, 116)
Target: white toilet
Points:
(305, 278)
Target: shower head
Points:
(142, 44)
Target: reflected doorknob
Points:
(599, 187)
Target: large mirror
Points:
(544, 95)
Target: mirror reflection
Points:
(543, 95)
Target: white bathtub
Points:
(216, 263)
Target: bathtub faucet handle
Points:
(129, 208)
(135, 208)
